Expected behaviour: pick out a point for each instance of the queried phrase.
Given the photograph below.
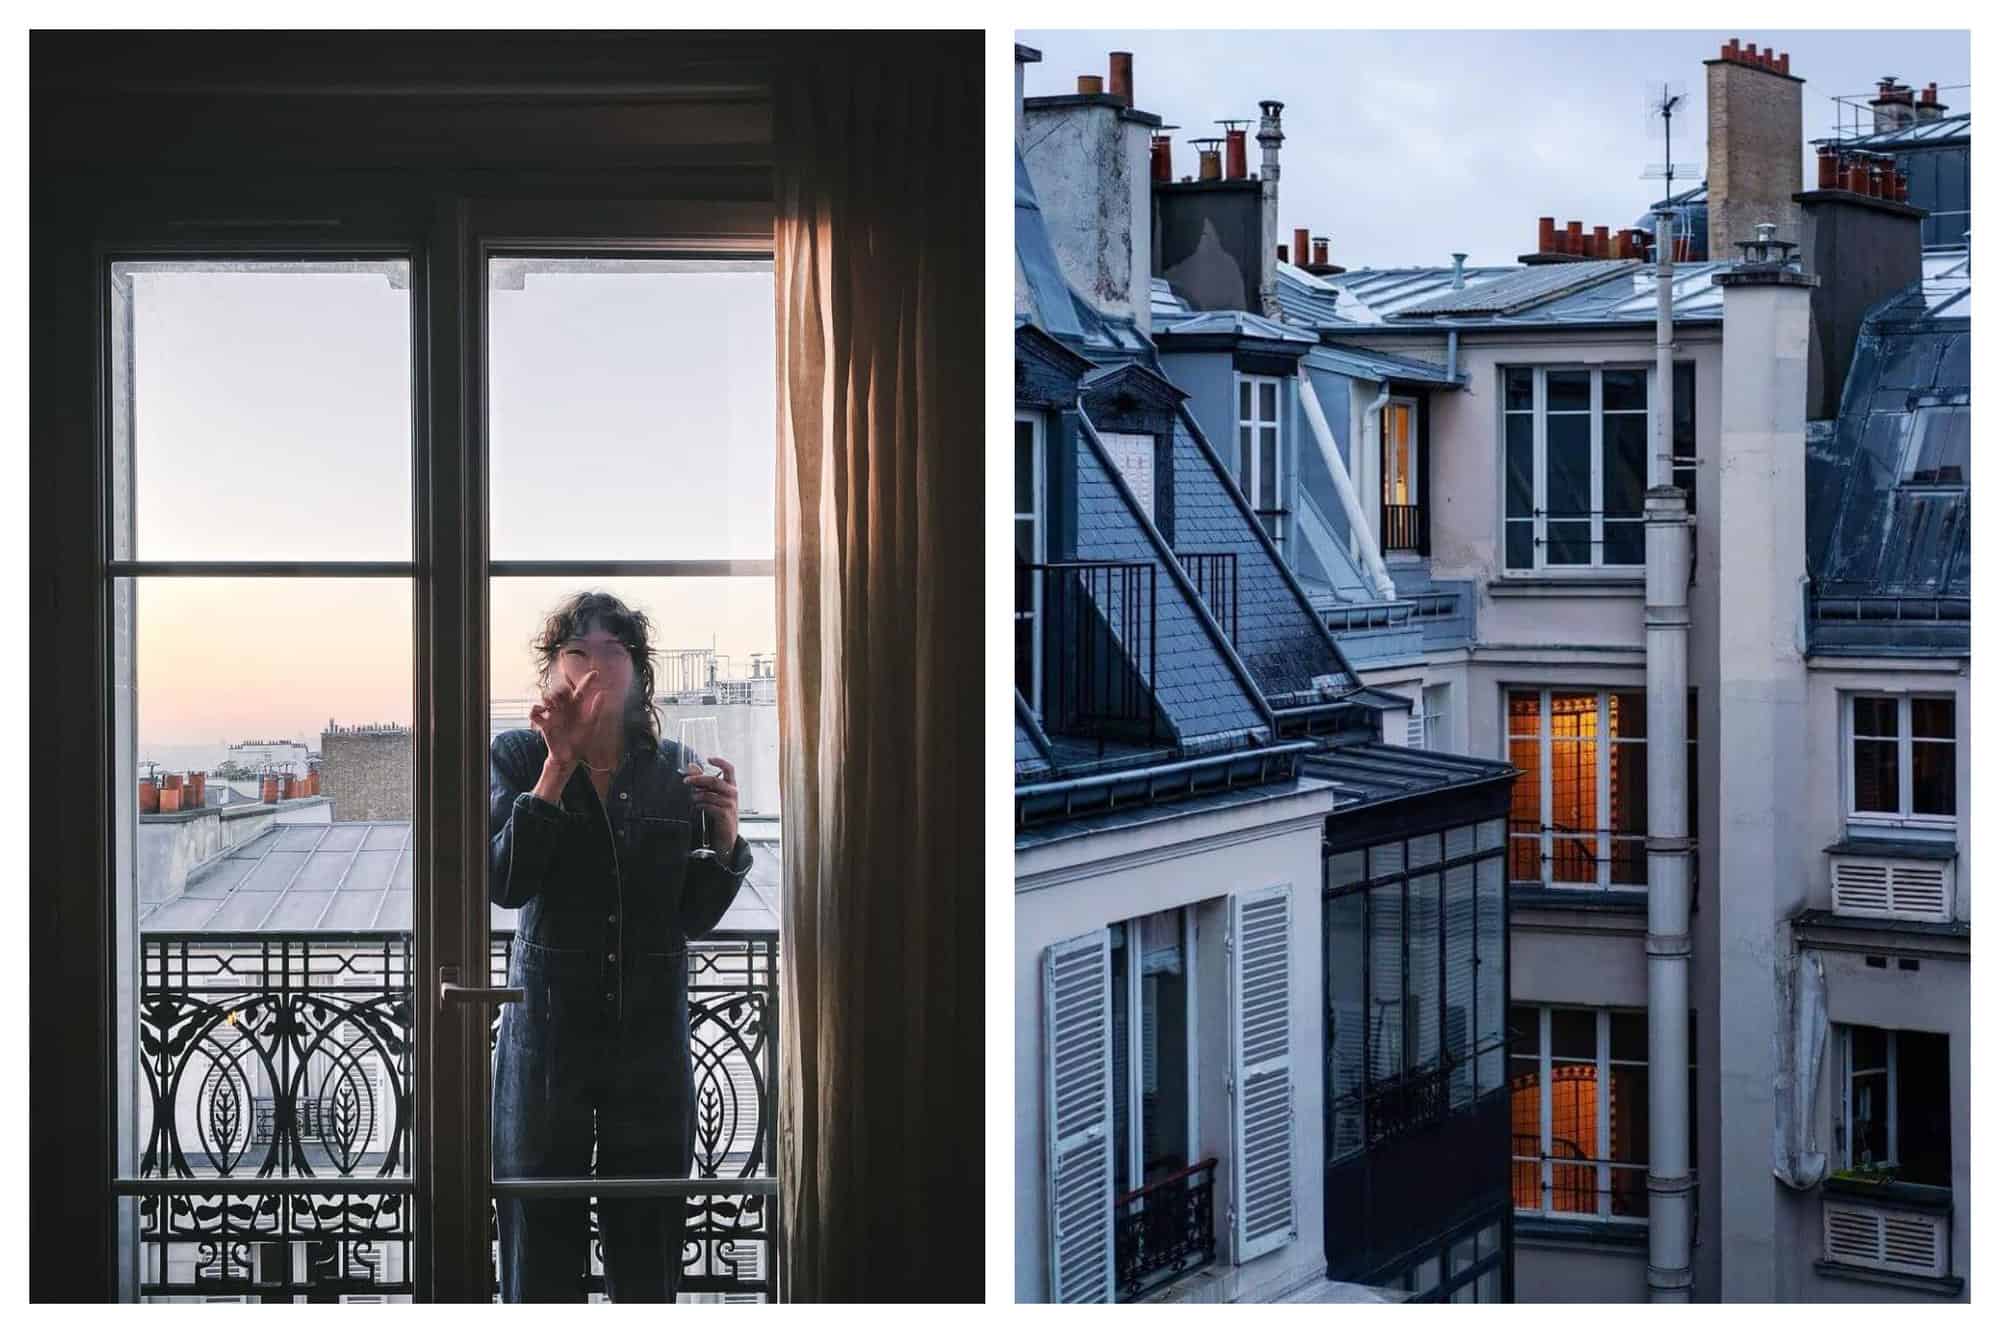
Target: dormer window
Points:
(1260, 449)
(1937, 452)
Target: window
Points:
(1132, 455)
(1683, 445)
(1575, 452)
(1415, 965)
(1030, 549)
(1437, 717)
(1579, 818)
(1151, 1062)
(1399, 476)
(1580, 1110)
(1894, 1109)
(1903, 759)
(1260, 448)
(1937, 449)
(1465, 1269)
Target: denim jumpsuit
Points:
(608, 900)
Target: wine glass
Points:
(699, 740)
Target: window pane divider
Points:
(268, 569)
(696, 569)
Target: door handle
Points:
(450, 992)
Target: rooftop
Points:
(356, 876)
(1617, 291)
(1918, 134)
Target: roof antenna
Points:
(1664, 97)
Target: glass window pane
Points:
(1628, 714)
(254, 401)
(1933, 778)
(1624, 542)
(1267, 400)
(1163, 997)
(1460, 976)
(1524, 712)
(1568, 489)
(1385, 859)
(1573, 1034)
(1628, 813)
(1345, 964)
(1520, 389)
(1242, 400)
(1876, 785)
(1933, 718)
(1923, 1108)
(1246, 461)
(1524, 1114)
(1425, 850)
(1425, 984)
(1121, 1058)
(1385, 983)
(1569, 390)
(1267, 478)
(632, 408)
(1525, 814)
(1625, 391)
(1628, 1035)
(1520, 466)
(1876, 717)
(1520, 544)
(1024, 467)
(1344, 868)
(1489, 1023)
(714, 644)
(1684, 445)
(1625, 465)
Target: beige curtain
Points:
(880, 668)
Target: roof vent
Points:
(1457, 270)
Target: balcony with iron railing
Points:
(1164, 1229)
(1086, 645)
(276, 1108)
(1402, 529)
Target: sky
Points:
(633, 417)
(1404, 147)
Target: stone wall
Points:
(367, 772)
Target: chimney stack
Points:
(1301, 246)
(1209, 154)
(1894, 104)
(1121, 75)
(1756, 137)
(1236, 138)
(1163, 155)
(1090, 84)
(1270, 137)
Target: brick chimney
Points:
(1756, 154)
(1894, 104)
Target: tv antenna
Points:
(1664, 99)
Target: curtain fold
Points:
(879, 253)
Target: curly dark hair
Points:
(579, 614)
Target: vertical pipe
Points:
(1121, 75)
(1669, 947)
(1270, 136)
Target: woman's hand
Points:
(564, 717)
(716, 798)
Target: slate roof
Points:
(1280, 638)
(1891, 562)
(1229, 323)
(356, 876)
(1361, 363)
(1369, 773)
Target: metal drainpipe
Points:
(1669, 946)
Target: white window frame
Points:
(1545, 1179)
(1408, 405)
(1538, 502)
(1904, 816)
(1602, 836)
(1253, 484)
(1437, 715)
(1037, 519)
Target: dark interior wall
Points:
(1861, 250)
(1208, 242)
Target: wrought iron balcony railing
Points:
(1092, 627)
(1165, 1229)
(273, 1063)
(1402, 528)
(1213, 574)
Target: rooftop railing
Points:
(1094, 627)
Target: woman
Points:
(592, 816)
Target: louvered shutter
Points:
(1414, 730)
(1076, 1090)
(1260, 1057)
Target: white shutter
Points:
(1415, 731)
(1133, 456)
(1262, 1215)
(1076, 1099)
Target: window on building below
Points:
(1150, 1070)
(1580, 1110)
(1937, 450)
(1574, 450)
(1260, 448)
(1437, 717)
(1894, 1111)
(1579, 817)
(1415, 958)
(1903, 758)
(1683, 445)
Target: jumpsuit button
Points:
(611, 958)
(611, 920)
(624, 795)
